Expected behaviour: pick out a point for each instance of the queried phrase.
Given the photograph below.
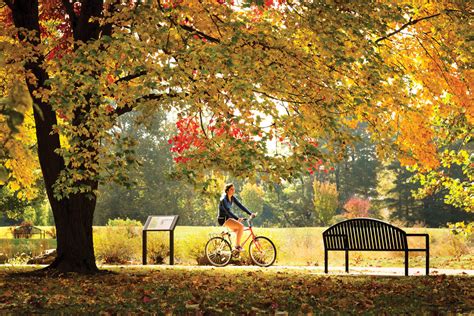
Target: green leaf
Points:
(4, 173)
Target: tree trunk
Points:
(75, 250)
(73, 215)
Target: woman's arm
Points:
(243, 208)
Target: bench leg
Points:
(427, 246)
(347, 261)
(325, 261)
(428, 261)
(406, 262)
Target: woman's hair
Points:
(228, 186)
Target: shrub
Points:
(356, 207)
(461, 236)
(195, 250)
(132, 226)
(157, 249)
(457, 247)
(115, 245)
(123, 222)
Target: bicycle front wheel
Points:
(262, 251)
(218, 251)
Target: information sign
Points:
(160, 223)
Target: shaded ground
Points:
(242, 290)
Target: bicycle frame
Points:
(250, 235)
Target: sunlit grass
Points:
(295, 246)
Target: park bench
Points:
(367, 234)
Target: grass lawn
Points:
(295, 246)
(251, 291)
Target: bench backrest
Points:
(364, 234)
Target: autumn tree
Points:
(356, 207)
(238, 76)
(435, 131)
(325, 201)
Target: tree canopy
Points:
(276, 88)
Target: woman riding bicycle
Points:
(229, 219)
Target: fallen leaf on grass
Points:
(192, 306)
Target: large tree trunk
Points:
(73, 218)
(73, 215)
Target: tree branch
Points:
(199, 33)
(149, 97)
(190, 29)
(202, 124)
(131, 77)
(211, 17)
(411, 22)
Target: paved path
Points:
(309, 269)
(320, 270)
(384, 271)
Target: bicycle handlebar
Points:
(250, 218)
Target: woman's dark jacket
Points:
(225, 208)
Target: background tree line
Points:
(361, 185)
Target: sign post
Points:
(159, 223)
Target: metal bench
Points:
(367, 234)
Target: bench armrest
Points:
(427, 240)
(426, 235)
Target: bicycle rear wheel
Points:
(218, 251)
(262, 251)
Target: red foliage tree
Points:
(356, 207)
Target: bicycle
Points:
(261, 249)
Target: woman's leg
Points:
(237, 227)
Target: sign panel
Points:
(161, 222)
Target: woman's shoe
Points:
(236, 251)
